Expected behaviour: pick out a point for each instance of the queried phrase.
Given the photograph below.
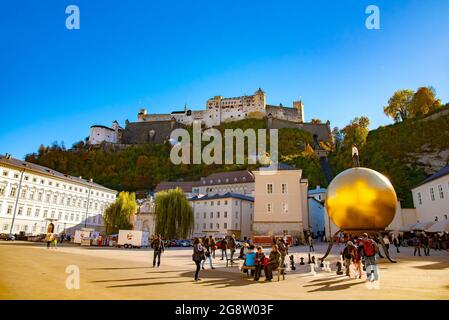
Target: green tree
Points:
(174, 215)
(399, 105)
(355, 132)
(118, 215)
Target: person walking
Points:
(207, 255)
(348, 255)
(425, 244)
(213, 246)
(55, 241)
(282, 247)
(273, 263)
(416, 245)
(158, 247)
(197, 256)
(370, 249)
(48, 239)
(224, 247)
(386, 241)
(259, 263)
(396, 243)
(310, 242)
(357, 260)
(231, 246)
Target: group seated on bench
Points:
(256, 261)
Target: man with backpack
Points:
(370, 249)
(158, 247)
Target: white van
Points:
(132, 239)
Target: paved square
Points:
(30, 271)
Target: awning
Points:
(423, 225)
(408, 227)
(440, 226)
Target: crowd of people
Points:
(360, 252)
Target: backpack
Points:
(369, 247)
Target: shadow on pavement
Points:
(329, 285)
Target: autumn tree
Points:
(424, 101)
(399, 105)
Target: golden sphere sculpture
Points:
(361, 199)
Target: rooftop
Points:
(229, 177)
(185, 186)
(443, 172)
(223, 196)
(28, 166)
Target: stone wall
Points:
(294, 229)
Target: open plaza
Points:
(30, 271)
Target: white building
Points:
(431, 197)
(99, 134)
(223, 214)
(33, 196)
(317, 210)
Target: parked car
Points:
(7, 237)
(172, 243)
(185, 243)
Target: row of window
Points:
(270, 208)
(22, 211)
(218, 215)
(433, 194)
(224, 189)
(217, 226)
(57, 185)
(51, 198)
(284, 188)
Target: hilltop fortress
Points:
(156, 128)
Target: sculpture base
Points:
(376, 233)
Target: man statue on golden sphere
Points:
(361, 199)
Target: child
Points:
(250, 259)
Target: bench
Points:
(247, 268)
(229, 260)
(280, 271)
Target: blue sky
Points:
(55, 83)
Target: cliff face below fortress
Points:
(410, 151)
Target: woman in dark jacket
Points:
(273, 262)
(198, 256)
(258, 263)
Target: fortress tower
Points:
(299, 106)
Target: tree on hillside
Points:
(399, 105)
(174, 215)
(356, 132)
(118, 215)
(316, 121)
(424, 101)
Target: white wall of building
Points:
(43, 198)
(431, 200)
(222, 216)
